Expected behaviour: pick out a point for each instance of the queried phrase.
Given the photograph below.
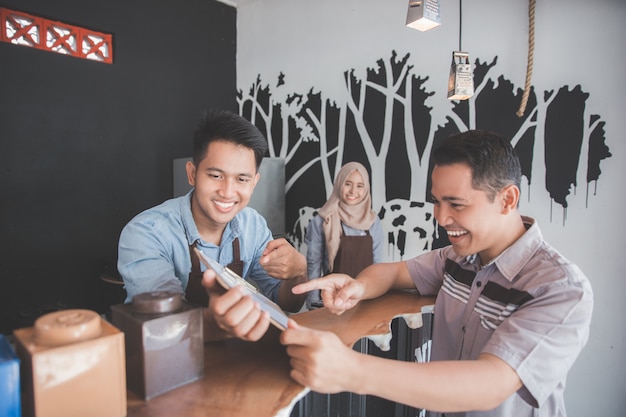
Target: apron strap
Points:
(195, 293)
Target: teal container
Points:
(9, 380)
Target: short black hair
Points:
(223, 125)
(491, 158)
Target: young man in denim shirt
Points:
(156, 247)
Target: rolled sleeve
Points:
(145, 259)
(316, 248)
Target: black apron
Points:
(355, 253)
(195, 292)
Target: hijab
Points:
(335, 212)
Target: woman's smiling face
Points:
(353, 190)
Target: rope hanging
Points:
(531, 50)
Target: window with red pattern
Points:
(19, 28)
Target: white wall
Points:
(577, 42)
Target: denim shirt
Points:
(153, 251)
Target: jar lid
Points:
(155, 302)
(67, 326)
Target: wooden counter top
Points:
(252, 379)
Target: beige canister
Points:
(73, 364)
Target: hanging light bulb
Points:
(461, 81)
(423, 15)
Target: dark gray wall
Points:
(84, 146)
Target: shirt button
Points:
(478, 284)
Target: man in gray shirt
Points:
(511, 315)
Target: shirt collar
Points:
(511, 261)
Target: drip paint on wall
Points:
(385, 123)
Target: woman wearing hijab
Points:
(346, 235)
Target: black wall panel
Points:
(84, 146)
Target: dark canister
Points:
(164, 343)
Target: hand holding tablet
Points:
(228, 279)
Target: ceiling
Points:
(237, 3)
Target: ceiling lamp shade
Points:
(461, 81)
(423, 15)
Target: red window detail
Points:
(96, 46)
(24, 29)
(61, 38)
(21, 28)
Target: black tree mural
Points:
(385, 123)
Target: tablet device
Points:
(228, 279)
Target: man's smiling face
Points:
(224, 181)
(473, 222)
